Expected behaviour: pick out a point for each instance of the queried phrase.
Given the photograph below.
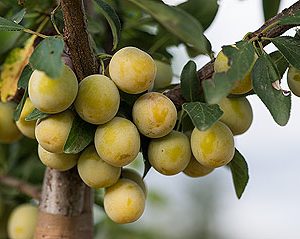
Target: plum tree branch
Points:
(268, 30)
(22, 186)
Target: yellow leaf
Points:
(12, 69)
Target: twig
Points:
(22, 186)
(267, 30)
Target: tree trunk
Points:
(65, 209)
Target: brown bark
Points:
(65, 209)
(206, 72)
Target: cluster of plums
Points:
(117, 141)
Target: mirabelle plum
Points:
(95, 172)
(8, 130)
(170, 154)
(124, 202)
(135, 177)
(213, 147)
(98, 99)
(132, 69)
(195, 169)
(26, 127)
(53, 131)
(237, 115)
(117, 142)
(22, 222)
(60, 162)
(154, 114)
(53, 95)
(293, 80)
(242, 86)
(164, 75)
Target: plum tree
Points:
(237, 115)
(164, 75)
(241, 86)
(22, 222)
(133, 175)
(52, 132)
(195, 169)
(293, 80)
(213, 147)
(52, 95)
(8, 130)
(98, 99)
(124, 202)
(94, 171)
(117, 142)
(60, 161)
(27, 128)
(132, 69)
(154, 114)
(170, 154)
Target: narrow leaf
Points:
(24, 78)
(47, 56)
(176, 21)
(241, 58)
(293, 19)
(113, 20)
(202, 115)
(264, 76)
(271, 8)
(190, 87)
(80, 136)
(20, 106)
(280, 62)
(145, 141)
(239, 171)
(290, 49)
(8, 25)
(18, 17)
(35, 115)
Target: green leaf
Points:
(280, 62)
(204, 11)
(290, 49)
(20, 106)
(80, 136)
(113, 21)
(190, 87)
(145, 141)
(264, 76)
(239, 171)
(291, 20)
(24, 78)
(35, 115)
(176, 21)
(271, 8)
(18, 17)
(202, 115)
(8, 25)
(47, 56)
(241, 60)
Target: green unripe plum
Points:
(124, 202)
(98, 99)
(94, 171)
(164, 75)
(213, 147)
(237, 115)
(132, 69)
(27, 128)
(170, 154)
(154, 114)
(60, 162)
(195, 169)
(135, 177)
(242, 86)
(22, 222)
(117, 142)
(8, 130)
(53, 95)
(293, 80)
(53, 131)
